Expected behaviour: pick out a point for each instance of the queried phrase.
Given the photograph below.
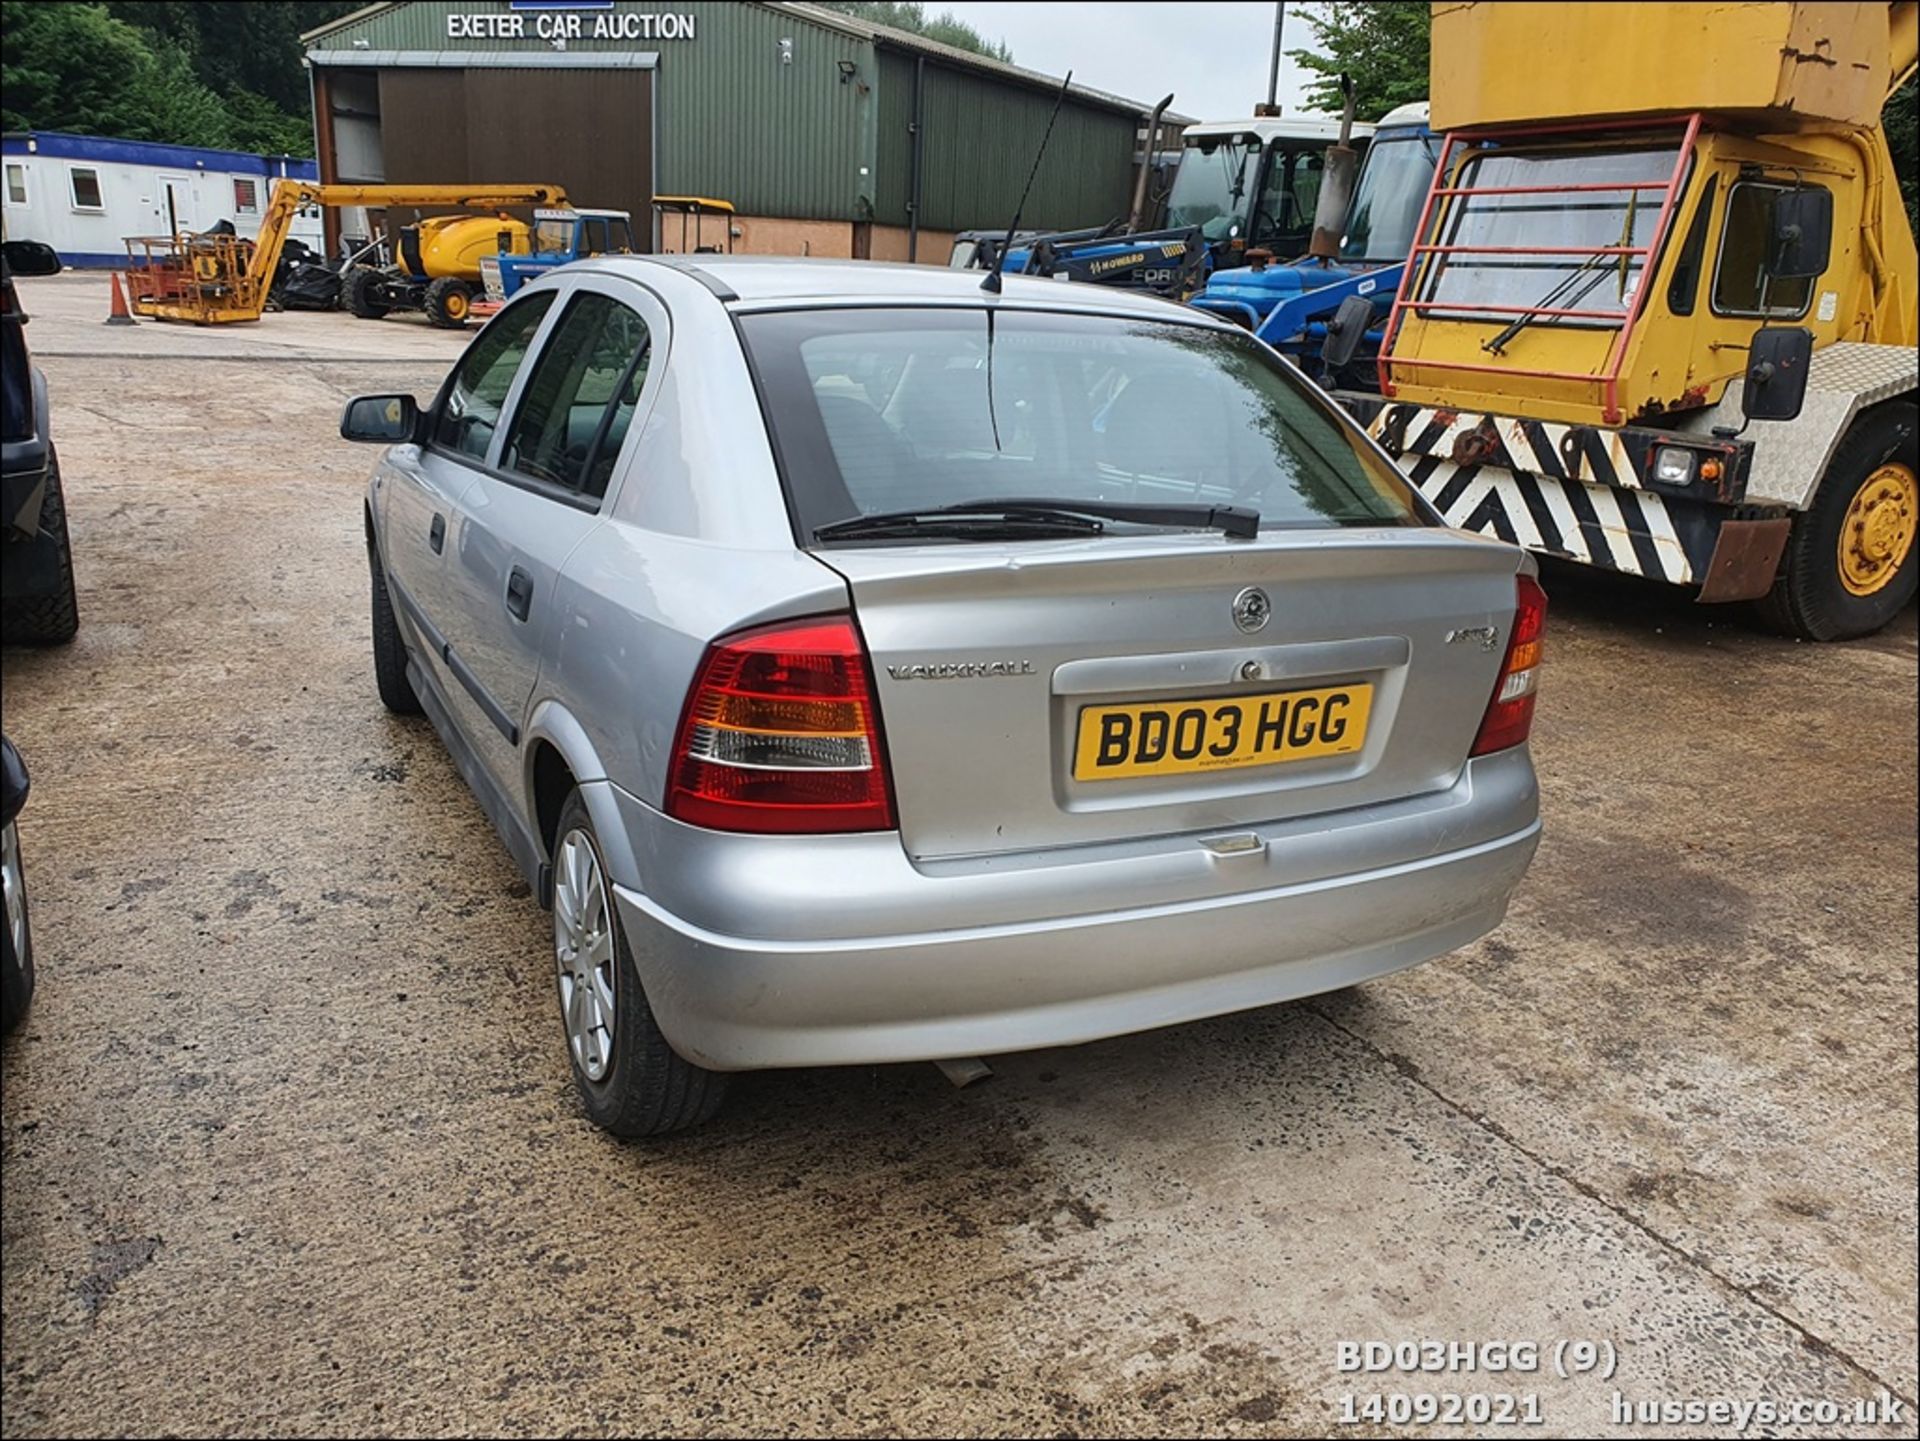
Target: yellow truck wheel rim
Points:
(1877, 534)
(456, 305)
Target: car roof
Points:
(755, 281)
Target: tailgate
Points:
(1007, 675)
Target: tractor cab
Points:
(1253, 184)
(558, 237)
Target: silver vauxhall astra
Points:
(865, 668)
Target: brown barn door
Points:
(590, 130)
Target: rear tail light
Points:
(1509, 714)
(781, 735)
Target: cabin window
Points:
(1738, 282)
(246, 197)
(86, 187)
(16, 184)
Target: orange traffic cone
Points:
(119, 315)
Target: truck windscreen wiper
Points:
(1038, 519)
(1497, 344)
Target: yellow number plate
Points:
(1174, 737)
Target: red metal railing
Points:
(1422, 257)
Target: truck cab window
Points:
(1686, 270)
(470, 410)
(1739, 276)
(585, 381)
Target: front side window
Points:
(1288, 198)
(86, 188)
(1210, 188)
(1559, 243)
(1686, 270)
(470, 410)
(1387, 202)
(1739, 277)
(581, 392)
(246, 197)
(17, 184)
(886, 410)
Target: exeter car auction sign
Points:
(568, 20)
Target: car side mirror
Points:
(1802, 234)
(1777, 365)
(1346, 331)
(32, 257)
(381, 419)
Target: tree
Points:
(946, 27)
(75, 67)
(1381, 46)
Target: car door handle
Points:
(437, 533)
(519, 593)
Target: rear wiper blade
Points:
(1237, 522)
(987, 522)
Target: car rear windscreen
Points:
(879, 410)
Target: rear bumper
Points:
(840, 954)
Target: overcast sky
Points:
(1213, 57)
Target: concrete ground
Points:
(290, 1146)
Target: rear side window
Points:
(470, 410)
(575, 407)
(1737, 279)
(884, 410)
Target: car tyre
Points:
(449, 302)
(47, 619)
(16, 964)
(631, 1082)
(357, 293)
(1866, 505)
(389, 649)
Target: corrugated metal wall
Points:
(775, 136)
(981, 135)
(775, 129)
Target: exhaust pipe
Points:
(964, 1071)
(1336, 186)
(1152, 148)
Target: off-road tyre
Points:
(389, 650)
(357, 293)
(1809, 599)
(46, 619)
(649, 1089)
(448, 302)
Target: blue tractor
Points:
(558, 236)
(1292, 304)
(1244, 188)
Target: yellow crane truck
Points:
(218, 279)
(1651, 226)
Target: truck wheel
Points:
(449, 302)
(630, 1080)
(47, 619)
(389, 650)
(357, 293)
(1851, 562)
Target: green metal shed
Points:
(821, 130)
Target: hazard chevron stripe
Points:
(1528, 499)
